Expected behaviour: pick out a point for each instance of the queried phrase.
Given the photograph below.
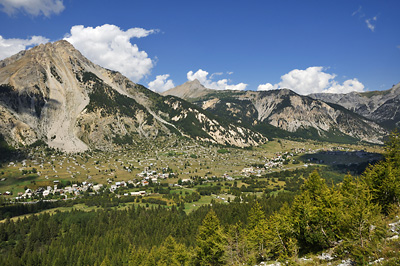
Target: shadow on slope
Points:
(353, 162)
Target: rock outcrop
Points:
(382, 107)
(285, 112)
(54, 94)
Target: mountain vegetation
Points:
(51, 93)
(285, 208)
(283, 113)
(379, 106)
(348, 220)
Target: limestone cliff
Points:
(53, 93)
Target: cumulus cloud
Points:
(110, 47)
(310, 80)
(221, 84)
(32, 7)
(348, 86)
(161, 83)
(313, 80)
(9, 47)
(267, 87)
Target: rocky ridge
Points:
(382, 107)
(285, 110)
(54, 94)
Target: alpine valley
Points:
(98, 170)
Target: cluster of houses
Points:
(75, 163)
(205, 179)
(275, 162)
(147, 174)
(248, 171)
(74, 189)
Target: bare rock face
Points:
(379, 106)
(53, 93)
(286, 111)
(302, 113)
(45, 95)
(189, 90)
(16, 129)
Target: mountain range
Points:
(284, 113)
(382, 107)
(52, 94)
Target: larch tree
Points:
(210, 242)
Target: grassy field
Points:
(186, 159)
(189, 207)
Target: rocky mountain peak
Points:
(189, 90)
(55, 94)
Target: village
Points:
(46, 175)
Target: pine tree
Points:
(106, 261)
(281, 242)
(257, 230)
(256, 214)
(362, 224)
(315, 211)
(210, 242)
(383, 178)
(172, 253)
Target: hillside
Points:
(54, 94)
(379, 106)
(291, 217)
(285, 113)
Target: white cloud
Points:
(348, 86)
(358, 11)
(110, 47)
(369, 23)
(161, 83)
(313, 80)
(216, 74)
(9, 47)
(200, 75)
(32, 7)
(221, 84)
(310, 80)
(267, 87)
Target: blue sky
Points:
(308, 46)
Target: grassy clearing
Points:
(205, 200)
(81, 207)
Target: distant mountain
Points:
(284, 113)
(382, 107)
(52, 93)
(189, 90)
